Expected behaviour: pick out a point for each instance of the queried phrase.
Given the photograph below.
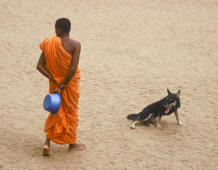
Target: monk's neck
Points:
(65, 36)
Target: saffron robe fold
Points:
(61, 128)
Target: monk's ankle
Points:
(71, 145)
(47, 142)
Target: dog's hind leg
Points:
(133, 124)
(147, 120)
(177, 118)
(149, 116)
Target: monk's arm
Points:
(42, 69)
(73, 66)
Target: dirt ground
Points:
(132, 51)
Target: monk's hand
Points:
(57, 90)
(60, 88)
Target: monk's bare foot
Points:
(76, 146)
(46, 150)
(46, 147)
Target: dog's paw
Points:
(132, 127)
(159, 126)
(180, 123)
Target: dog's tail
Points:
(132, 116)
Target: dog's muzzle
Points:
(168, 107)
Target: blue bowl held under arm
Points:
(52, 102)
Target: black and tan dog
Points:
(153, 112)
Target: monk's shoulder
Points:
(75, 43)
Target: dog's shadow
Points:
(165, 125)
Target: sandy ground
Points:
(132, 51)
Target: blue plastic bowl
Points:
(52, 102)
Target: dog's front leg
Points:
(158, 122)
(133, 124)
(177, 118)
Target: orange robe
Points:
(61, 128)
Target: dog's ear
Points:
(168, 91)
(178, 93)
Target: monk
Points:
(59, 63)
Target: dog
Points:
(153, 112)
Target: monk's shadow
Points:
(30, 146)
